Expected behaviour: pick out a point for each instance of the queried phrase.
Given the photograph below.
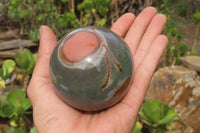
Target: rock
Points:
(192, 62)
(178, 87)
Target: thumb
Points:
(48, 42)
(41, 71)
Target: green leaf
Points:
(183, 49)
(146, 120)
(103, 11)
(29, 1)
(13, 130)
(35, 57)
(7, 110)
(178, 62)
(13, 122)
(64, 1)
(137, 127)
(2, 83)
(17, 98)
(181, 10)
(153, 110)
(169, 117)
(176, 53)
(33, 130)
(23, 58)
(102, 22)
(7, 69)
(19, 110)
(179, 36)
(196, 17)
(1, 5)
(1, 102)
(157, 114)
(193, 52)
(173, 31)
(25, 61)
(34, 35)
(160, 129)
(41, 17)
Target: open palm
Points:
(52, 115)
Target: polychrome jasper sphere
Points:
(91, 68)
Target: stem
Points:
(27, 121)
(25, 83)
(71, 5)
(196, 37)
(96, 17)
(17, 97)
(151, 2)
(12, 83)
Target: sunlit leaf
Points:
(156, 113)
(7, 69)
(169, 117)
(196, 17)
(1, 102)
(2, 84)
(137, 127)
(33, 130)
(25, 61)
(153, 110)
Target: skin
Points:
(52, 115)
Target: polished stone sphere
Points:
(91, 68)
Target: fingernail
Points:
(41, 29)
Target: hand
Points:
(52, 115)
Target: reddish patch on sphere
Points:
(79, 46)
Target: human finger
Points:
(144, 73)
(138, 28)
(47, 43)
(41, 71)
(122, 25)
(154, 29)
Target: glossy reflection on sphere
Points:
(91, 68)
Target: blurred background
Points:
(172, 104)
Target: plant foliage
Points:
(18, 130)
(6, 71)
(137, 127)
(31, 14)
(196, 17)
(157, 115)
(94, 9)
(25, 61)
(15, 106)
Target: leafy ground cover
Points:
(15, 107)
